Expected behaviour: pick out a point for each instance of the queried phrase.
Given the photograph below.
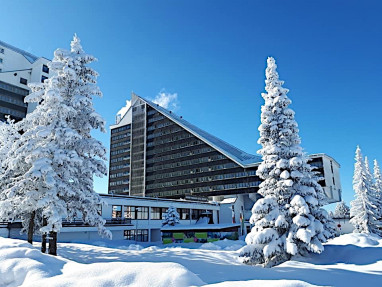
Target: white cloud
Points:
(167, 100)
(124, 110)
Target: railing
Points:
(109, 221)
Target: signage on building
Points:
(196, 198)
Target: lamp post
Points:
(137, 209)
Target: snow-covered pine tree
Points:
(171, 217)
(8, 136)
(341, 210)
(11, 210)
(60, 155)
(296, 224)
(363, 211)
(378, 189)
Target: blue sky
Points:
(213, 55)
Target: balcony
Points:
(109, 222)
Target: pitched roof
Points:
(30, 57)
(237, 155)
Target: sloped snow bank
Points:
(229, 245)
(358, 239)
(23, 265)
(263, 283)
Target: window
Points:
(137, 212)
(2, 50)
(117, 211)
(1, 70)
(45, 69)
(141, 235)
(43, 78)
(23, 81)
(1, 60)
(184, 213)
(196, 213)
(157, 212)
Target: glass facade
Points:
(164, 159)
(12, 101)
(119, 170)
(179, 164)
(138, 146)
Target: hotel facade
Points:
(155, 153)
(18, 68)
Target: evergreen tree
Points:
(378, 189)
(171, 217)
(297, 224)
(342, 210)
(363, 211)
(56, 156)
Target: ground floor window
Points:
(141, 235)
(184, 213)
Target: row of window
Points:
(180, 154)
(119, 182)
(200, 170)
(204, 189)
(120, 144)
(161, 125)
(121, 136)
(118, 159)
(119, 190)
(12, 100)
(116, 152)
(169, 139)
(164, 132)
(140, 235)
(121, 129)
(155, 119)
(14, 89)
(11, 112)
(120, 166)
(172, 147)
(198, 180)
(186, 162)
(157, 213)
(119, 174)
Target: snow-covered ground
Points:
(349, 260)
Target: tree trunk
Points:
(43, 238)
(53, 243)
(31, 227)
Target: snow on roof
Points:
(200, 226)
(237, 155)
(30, 57)
(228, 200)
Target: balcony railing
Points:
(109, 221)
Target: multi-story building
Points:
(156, 153)
(132, 218)
(18, 68)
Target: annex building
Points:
(18, 68)
(155, 153)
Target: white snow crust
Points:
(348, 260)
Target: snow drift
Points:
(24, 265)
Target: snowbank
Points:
(23, 265)
(225, 244)
(358, 239)
(267, 283)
